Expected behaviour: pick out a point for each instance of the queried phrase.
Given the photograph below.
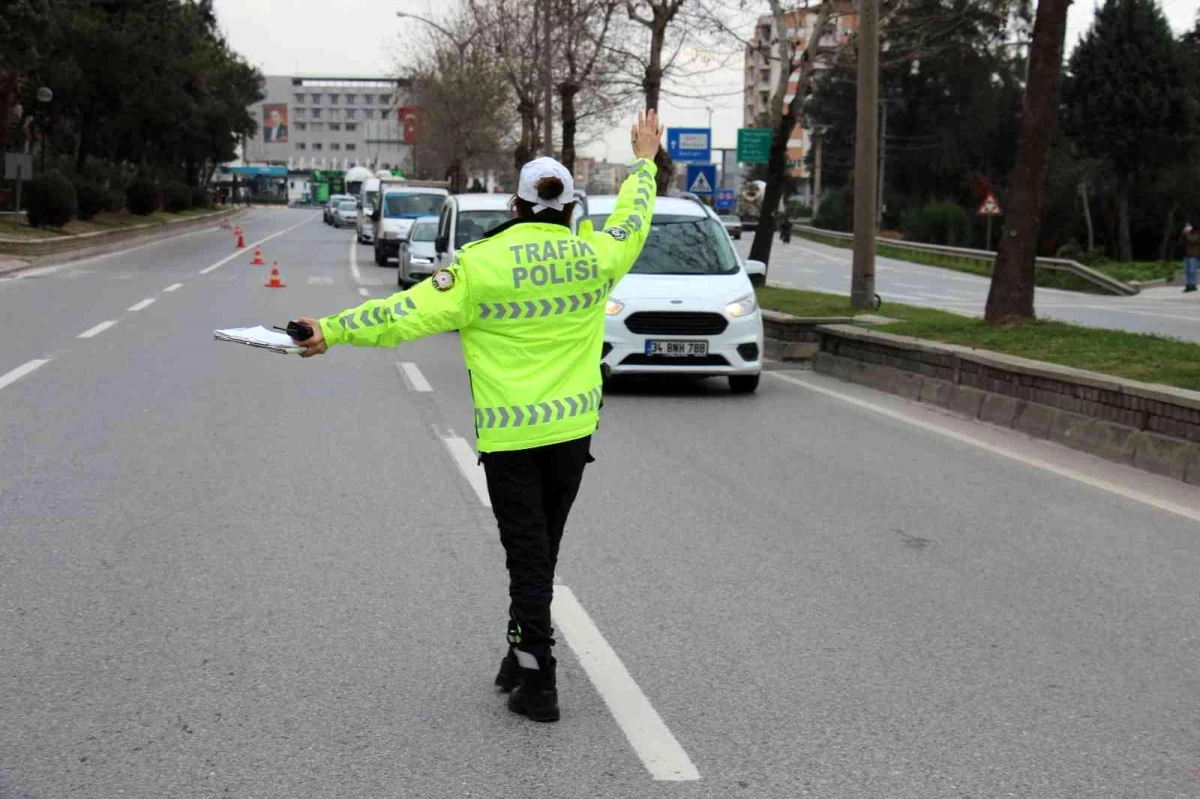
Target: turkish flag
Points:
(410, 118)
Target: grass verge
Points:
(974, 266)
(96, 224)
(1136, 356)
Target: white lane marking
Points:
(242, 250)
(1062, 471)
(146, 303)
(412, 375)
(364, 292)
(468, 464)
(649, 736)
(173, 287)
(98, 329)
(354, 261)
(21, 371)
(320, 280)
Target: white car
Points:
(465, 218)
(687, 306)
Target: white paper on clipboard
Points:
(259, 336)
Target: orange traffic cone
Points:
(258, 261)
(275, 282)
(241, 242)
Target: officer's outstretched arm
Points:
(432, 306)
(624, 234)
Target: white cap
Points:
(540, 168)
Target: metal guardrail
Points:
(1093, 276)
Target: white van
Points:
(466, 217)
(399, 206)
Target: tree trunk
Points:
(652, 83)
(1010, 298)
(566, 93)
(528, 144)
(81, 152)
(1124, 246)
(1169, 234)
(1087, 216)
(764, 235)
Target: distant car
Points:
(346, 214)
(687, 307)
(733, 224)
(331, 206)
(418, 256)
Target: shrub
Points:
(836, 211)
(51, 200)
(93, 198)
(937, 223)
(176, 197)
(796, 208)
(115, 202)
(142, 197)
(200, 198)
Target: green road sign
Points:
(754, 145)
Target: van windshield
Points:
(397, 206)
(683, 245)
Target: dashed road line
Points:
(98, 329)
(468, 463)
(137, 306)
(13, 376)
(412, 375)
(364, 292)
(645, 730)
(173, 287)
(354, 261)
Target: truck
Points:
(400, 203)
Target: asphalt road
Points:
(229, 573)
(818, 267)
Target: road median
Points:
(1152, 423)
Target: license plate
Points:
(677, 349)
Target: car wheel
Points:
(380, 258)
(743, 384)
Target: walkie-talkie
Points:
(299, 331)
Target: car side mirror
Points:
(441, 244)
(757, 271)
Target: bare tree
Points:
(584, 27)
(1010, 298)
(782, 119)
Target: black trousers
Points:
(532, 491)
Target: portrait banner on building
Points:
(410, 120)
(275, 122)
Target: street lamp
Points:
(44, 96)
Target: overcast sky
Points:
(364, 37)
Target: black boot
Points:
(537, 694)
(509, 676)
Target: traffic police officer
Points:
(528, 300)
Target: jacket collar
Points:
(498, 229)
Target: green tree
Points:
(1125, 100)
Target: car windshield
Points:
(683, 245)
(348, 205)
(369, 201)
(425, 231)
(411, 204)
(473, 224)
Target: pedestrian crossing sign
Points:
(702, 179)
(990, 206)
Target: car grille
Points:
(640, 359)
(676, 323)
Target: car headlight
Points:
(613, 307)
(422, 261)
(742, 306)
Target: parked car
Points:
(399, 210)
(346, 214)
(331, 206)
(418, 255)
(733, 224)
(687, 307)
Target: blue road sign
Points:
(690, 144)
(702, 179)
(726, 200)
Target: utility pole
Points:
(862, 280)
(548, 81)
